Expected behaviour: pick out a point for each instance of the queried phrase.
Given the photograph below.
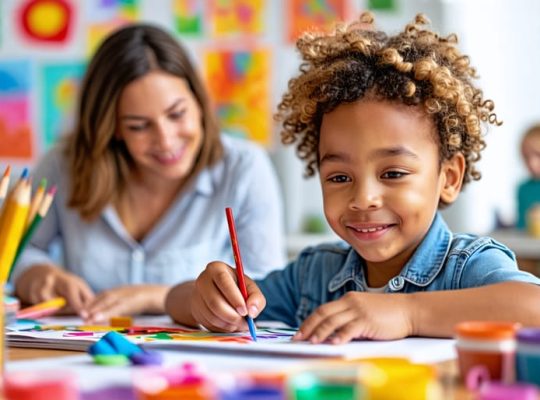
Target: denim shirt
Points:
(442, 261)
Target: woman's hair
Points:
(98, 164)
(415, 67)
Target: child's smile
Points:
(381, 180)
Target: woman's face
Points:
(160, 122)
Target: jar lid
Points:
(487, 330)
(529, 335)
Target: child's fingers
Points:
(322, 322)
(228, 287)
(209, 318)
(256, 301)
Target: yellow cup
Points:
(533, 221)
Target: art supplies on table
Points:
(154, 335)
(44, 309)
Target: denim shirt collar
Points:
(426, 262)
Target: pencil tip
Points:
(7, 172)
(24, 174)
(52, 190)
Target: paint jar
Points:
(184, 382)
(40, 385)
(528, 355)
(323, 383)
(252, 386)
(399, 379)
(478, 381)
(490, 344)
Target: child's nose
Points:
(366, 196)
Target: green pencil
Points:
(42, 212)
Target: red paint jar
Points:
(490, 344)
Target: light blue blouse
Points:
(192, 233)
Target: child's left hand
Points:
(125, 300)
(359, 315)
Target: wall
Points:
(500, 35)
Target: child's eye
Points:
(339, 179)
(394, 175)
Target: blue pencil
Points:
(239, 268)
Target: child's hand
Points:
(359, 315)
(126, 300)
(43, 282)
(217, 303)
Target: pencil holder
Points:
(528, 355)
(488, 344)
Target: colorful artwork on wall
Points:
(188, 16)
(60, 87)
(314, 14)
(15, 118)
(46, 21)
(239, 82)
(234, 17)
(104, 16)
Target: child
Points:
(529, 190)
(392, 124)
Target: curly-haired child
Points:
(393, 126)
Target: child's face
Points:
(530, 148)
(381, 179)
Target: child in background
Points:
(529, 190)
(392, 124)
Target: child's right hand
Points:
(217, 303)
(44, 282)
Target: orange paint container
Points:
(491, 344)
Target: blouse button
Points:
(396, 283)
(138, 256)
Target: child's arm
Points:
(394, 316)
(214, 300)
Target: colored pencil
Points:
(239, 268)
(43, 309)
(12, 226)
(4, 183)
(41, 213)
(36, 202)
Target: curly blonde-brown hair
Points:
(416, 67)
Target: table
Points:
(525, 247)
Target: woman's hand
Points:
(217, 303)
(126, 300)
(44, 282)
(359, 316)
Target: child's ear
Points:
(452, 172)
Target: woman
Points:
(143, 183)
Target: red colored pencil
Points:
(239, 268)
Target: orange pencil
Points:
(12, 226)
